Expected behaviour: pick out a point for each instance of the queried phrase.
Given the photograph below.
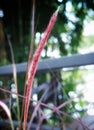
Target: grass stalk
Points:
(14, 76)
(33, 65)
(29, 59)
(7, 111)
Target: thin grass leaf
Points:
(36, 109)
(34, 64)
(65, 103)
(29, 59)
(40, 123)
(32, 32)
(14, 76)
(7, 111)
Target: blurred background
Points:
(73, 33)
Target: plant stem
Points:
(14, 77)
(29, 59)
(34, 63)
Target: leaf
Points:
(34, 63)
(7, 111)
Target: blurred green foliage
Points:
(17, 23)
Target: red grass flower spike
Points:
(34, 63)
